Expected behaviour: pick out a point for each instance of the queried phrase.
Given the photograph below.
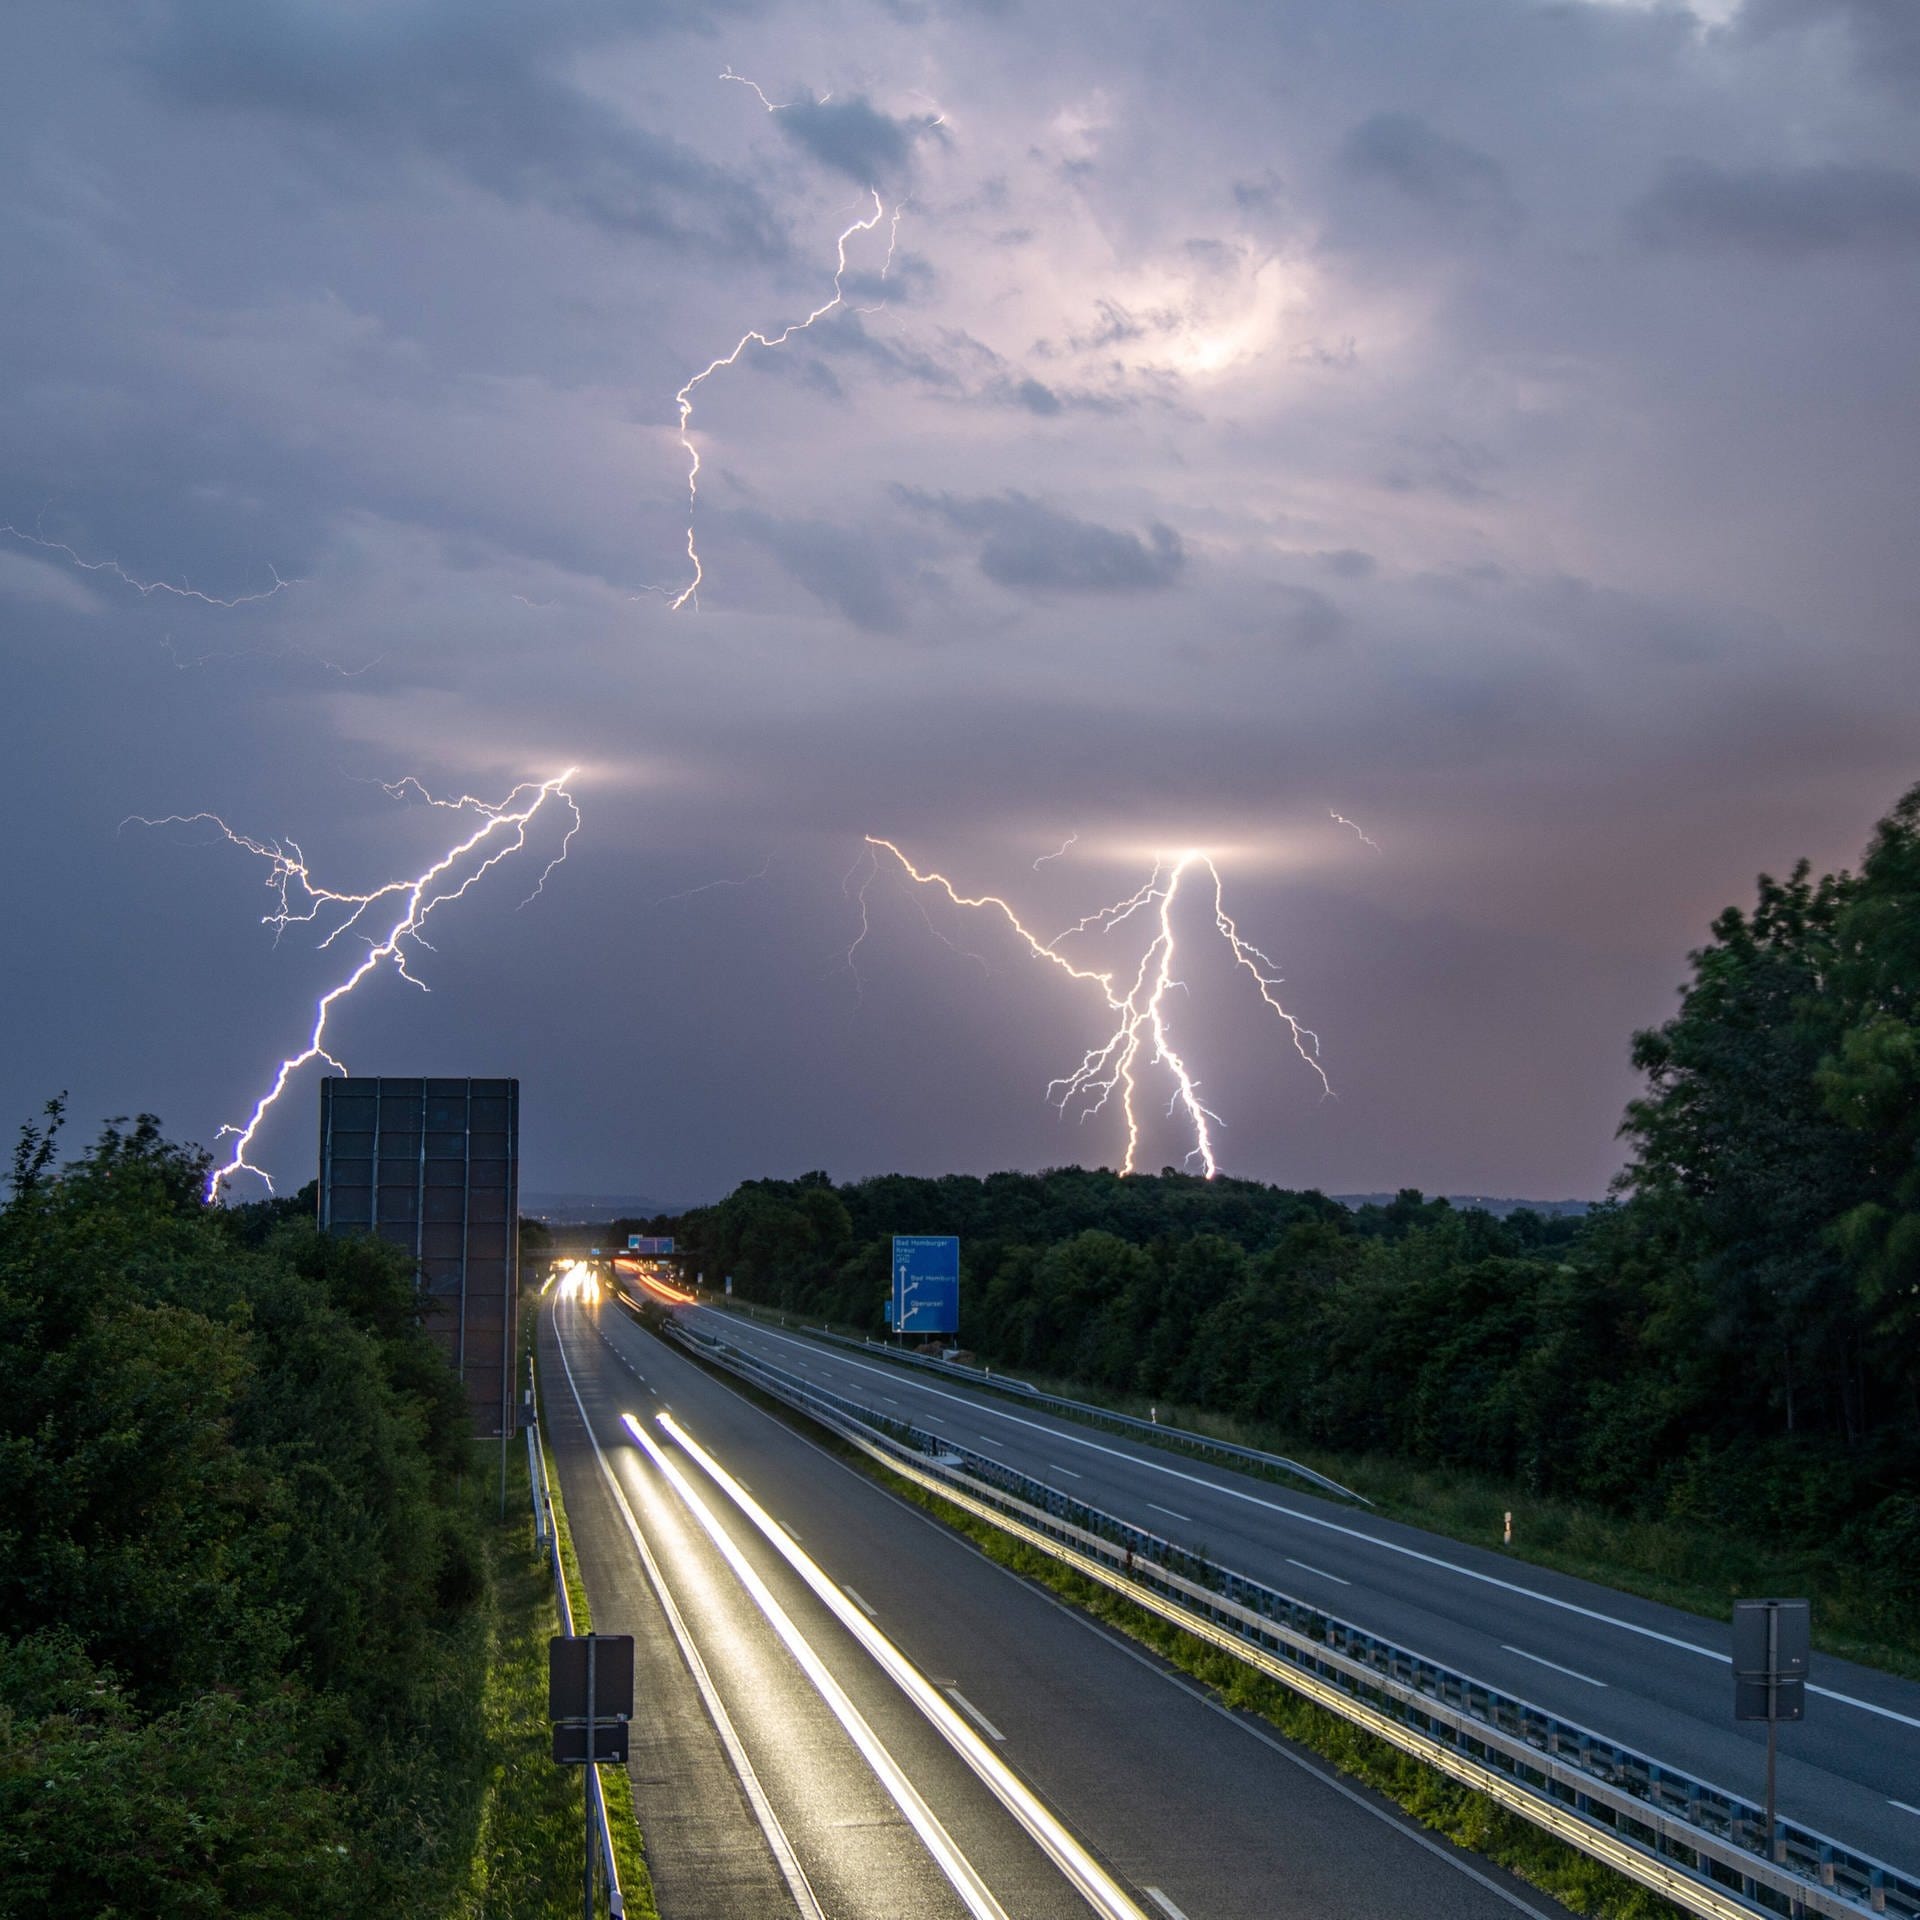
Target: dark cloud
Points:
(1885, 34)
(844, 568)
(854, 137)
(1348, 563)
(473, 87)
(1782, 212)
(1438, 173)
(1027, 545)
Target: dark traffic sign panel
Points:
(612, 1676)
(1772, 1651)
(609, 1742)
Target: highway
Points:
(1651, 1676)
(758, 1796)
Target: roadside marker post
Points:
(1772, 1641)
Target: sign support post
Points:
(1771, 1642)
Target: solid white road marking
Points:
(1389, 1816)
(1321, 1571)
(791, 1871)
(974, 1714)
(1158, 1508)
(960, 1872)
(1386, 1546)
(1540, 1661)
(1165, 1905)
(1084, 1873)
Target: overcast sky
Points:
(1492, 421)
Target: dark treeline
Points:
(238, 1664)
(1735, 1343)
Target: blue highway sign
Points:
(649, 1248)
(926, 1283)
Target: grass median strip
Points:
(526, 1862)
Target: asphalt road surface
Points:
(757, 1800)
(1654, 1677)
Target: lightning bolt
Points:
(1056, 853)
(148, 588)
(1357, 828)
(683, 400)
(399, 911)
(707, 886)
(1141, 1036)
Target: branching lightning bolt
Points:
(400, 909)
(753, 338)
(1137, 999)
(148, 588)
(1357, 828)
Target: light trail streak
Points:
(684, 398)
(148, 588)
(1082, 1872)
(400, 907)
(1357, 828)
(1141, 1036)
(960, 1872)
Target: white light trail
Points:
(960, 1872)
(1085, 1874)
(148, 588)
(400, 910)
(1136, 997)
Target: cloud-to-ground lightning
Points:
(395, 913)
(1357, 828)
(1136, 996)
(148, 588)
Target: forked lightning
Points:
(1136, 997)
(400, 909)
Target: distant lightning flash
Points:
(148, 588)
(1057, 853)
(1357, 828)
(300, 901)
(1137, 998)
(753, 338)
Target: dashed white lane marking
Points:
(987, 1440)
(1321, 1571)
(1158, 1508)
(1068, 1471)
(974, 1714)
(1539, 1661)
(1165, 1905)
(1386, 1546)
(1903, 1806)
(865, 1606)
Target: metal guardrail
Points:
(1185, 1438)
(547, 1533)
(1698, 1844)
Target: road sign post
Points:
(926, 1283)
(1772, 1642)
(590, 1701)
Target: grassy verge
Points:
(527, 1861)
(1469, 1819)
(1681, 1565)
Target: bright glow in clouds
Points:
(1137, 999)
(399, 907)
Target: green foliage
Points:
(238, 1653)
(1734, 1348)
